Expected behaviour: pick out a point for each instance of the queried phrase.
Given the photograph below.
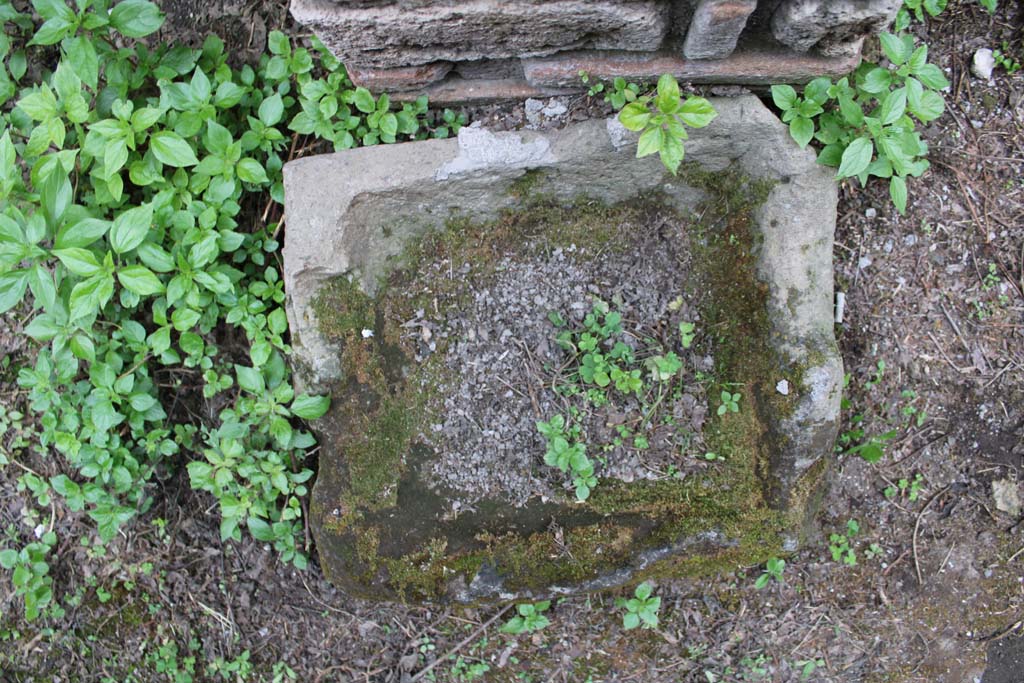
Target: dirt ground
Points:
(937, 591)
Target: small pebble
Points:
(863, 262)
(782, 387)
(983, 64)
(367, 334)
(887, 247)
(910, 240)
(870, 213)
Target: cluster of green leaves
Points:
(866, 122)
(841, 545)
(661, 119)
(773, 569)
(1005, 59)
(529, 618)
(566, 452)
(31, 573)
(124, 170)
(641, 609)
(916, 9)
(910, 488)
(618, 93)
(602, 368)
(730, 402)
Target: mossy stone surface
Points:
(385, 530)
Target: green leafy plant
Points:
(916, 9)
(866, 122)
(642, 609)
(661, 120)
(568, 455)
(618, 93)
(124, 170)
(730, 403)
(530, 618)
(910, 488)
(808, 667)
(31, 573)
(1006, 60)
(773, 570)
(840, 545)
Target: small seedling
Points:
(661, 120)
(874, 550)
(687, 333)
(808, 666)
(911, 488)
(840, 544)
(1005, 59)
(730, 403)
(641, 609)
(530, 618)
(877, 377)
(773, 570)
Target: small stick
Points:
(465, 641)
(917, 526)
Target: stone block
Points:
(402, 34)
(835, 27)
(398, 78)
(716, 27)
(750, 67)
(419, 280)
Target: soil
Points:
(935, 596)
(507, 370)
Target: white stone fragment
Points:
(783, 387)
(983, 64)
(840, 307)
(367, 334)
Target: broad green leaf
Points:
(81, 55)
(784, 96)
(136, 18)
(271, 110)
(259, 529)
(697, 112)
(668, 94)
(893, 106)
(81, 262)
(130, 228)
(898, 192)
(931, 107)
(918, 58)
(851, 111)
(817, 90)
(894, 48)
(278, 44)
(671, 153)
(12, 288)
(932, 76)
(635, 116)
(856, 158)
(249, 379)
(650, 141)
(156, 257)
(172, 150)
(140, 280)
(364, 101)
(310, 407)
(802, 130)
(250, 171)
(877, 81)
(184, 319)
